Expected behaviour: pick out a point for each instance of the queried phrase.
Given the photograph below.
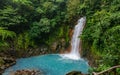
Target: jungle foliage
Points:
(29, 23)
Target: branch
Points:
(94, 73)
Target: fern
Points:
(3, 44)
(4, 33)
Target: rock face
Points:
(53, 46)
(27, 72)
(58, 45)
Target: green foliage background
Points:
(29, 23)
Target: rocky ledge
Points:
(27, 72)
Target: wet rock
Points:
(27, 72)
(53, 46)
(75, 73)
(7, 63)
(58, 45)
(43, 49)
(63, 42)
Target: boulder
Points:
(75, 73)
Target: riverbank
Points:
(6, 62)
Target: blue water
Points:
(51, 64)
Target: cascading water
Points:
(75, 43)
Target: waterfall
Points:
(75, 42)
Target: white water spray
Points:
(75, 43)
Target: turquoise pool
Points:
(51, 64)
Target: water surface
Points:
(51, 64)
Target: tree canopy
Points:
(30, 23)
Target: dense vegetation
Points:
(26, 24)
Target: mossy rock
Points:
(1, 61)
(75, 73)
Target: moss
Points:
(1, 61)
